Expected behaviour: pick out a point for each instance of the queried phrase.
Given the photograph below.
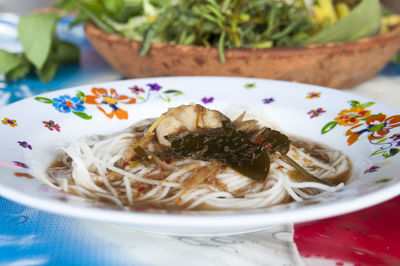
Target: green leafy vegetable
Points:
(9, 61)
(363, 21)
(43, 51)
(48, 71)
(224, 144)
(245, 151)
(20, 71)
(35, 32)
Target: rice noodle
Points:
(93, 168)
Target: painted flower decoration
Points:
(9, 122)
(154, 86)
(268, 100)
(136, 90)
(206, 100)
(352, 116)
(25, 145)
(376, 126)
(396, 137)
(316, 112)
(372, 169)
(26, 175)
(20, 164)
(312, 95)
(108, 102)
(66, 104)
(250, 85)
(51, 125)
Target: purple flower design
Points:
(372, 169)
(268, 100)
(25, 144)
(154, 86)
(66, 104)
(20, 164)
(206, 100)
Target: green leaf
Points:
(64, 52)
(365, 118)
(151, 32)
(368, 104)
(113, 6)
(80, 95)
(94, 11)
(66, 5)
(166, 99)
(377, 152)
(354, 103)
(35, 33)
(83, 115)
(20, 71)
(174, 92)
(9, 61)
(328, 127)
(362, 21)
(221, 48)
(44, 100)
(382, 140)
(48, 71)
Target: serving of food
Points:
(192, 157)
(199, 155)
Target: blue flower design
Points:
(65, 104)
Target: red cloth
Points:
(367, 237)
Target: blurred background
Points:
(25, 6)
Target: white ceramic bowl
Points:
(33, 127)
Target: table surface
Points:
(33, 237)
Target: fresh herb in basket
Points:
(224, 24)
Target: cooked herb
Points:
(143, 155)
(224, 144)
(245, 151)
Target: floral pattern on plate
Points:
(68, 104)
(377, 128)
(109, 101)
(9, 122)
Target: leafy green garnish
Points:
(245, 151)
(226, 145)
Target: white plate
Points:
(34, 127)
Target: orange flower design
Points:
(378, 127)
(313, 94)
(109, 100)
(10, 122)
(352, 117)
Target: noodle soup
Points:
(151, 165)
